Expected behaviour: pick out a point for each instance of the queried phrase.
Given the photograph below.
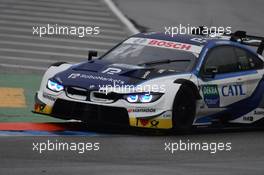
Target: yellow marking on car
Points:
(157, 123)
(42, 109)
(12, 97)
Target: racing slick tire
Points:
(184, 109)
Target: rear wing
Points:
(250, 40)
(238, 36)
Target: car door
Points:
(225, 79)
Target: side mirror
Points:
(92, 54)
(210, 72)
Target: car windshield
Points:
(136, 53)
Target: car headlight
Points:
(132, 98)
(54, 86)
(142, 97)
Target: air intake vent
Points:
(77, 93)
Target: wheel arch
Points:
(191, 85)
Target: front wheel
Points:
(184, 109)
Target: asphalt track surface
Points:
(134, 154)
(123, 152)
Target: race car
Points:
(154, 80)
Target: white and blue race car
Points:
(153, 80)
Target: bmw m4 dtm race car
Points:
(153, 80)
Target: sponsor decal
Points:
(95, 77)
(248, 118)
(154, 123)
(145, 122)
(199, 40)
(168, 44)
(39, 107)
(42, 108)
(129, 110)
(111, 71)
(49, 97)
(258, 112)
(142, 110)
(162, 123)
(92, 87)
(146, 74)
(166, 115)
(74, 75)
(211, 95)
(233, 90)
(164, 44)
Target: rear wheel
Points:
(184, 109)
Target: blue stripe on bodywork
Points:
(231, 75)
(234, 74)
